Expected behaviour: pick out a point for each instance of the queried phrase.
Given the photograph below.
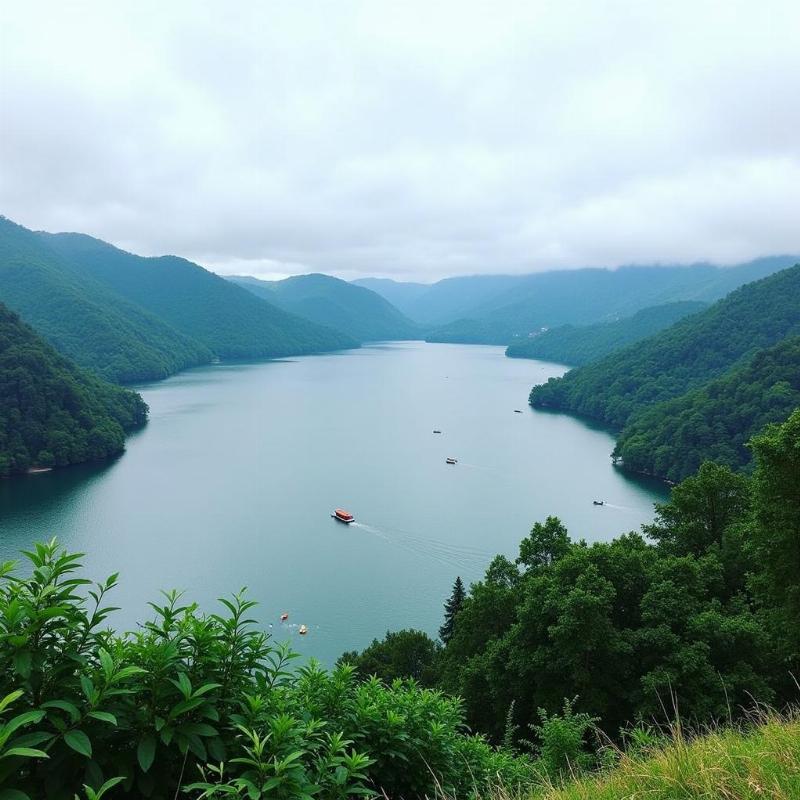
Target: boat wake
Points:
(470, 560)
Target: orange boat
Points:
(343, 516)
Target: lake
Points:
(233, 481)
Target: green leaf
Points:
(13, 794)
(24, 752)
(64, 705)
(146, 752)
(109, 784)
(104, 716)
(79, 742)
(10, 698)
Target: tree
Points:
(401, 654)
(776, 529)
(451, 609)
(545, 544)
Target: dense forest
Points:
(354, 310)
(577, 345)
(682, 357)
(226, 319)
(699, 614)
(84, 320)
(583, 297)
(53, 413)
(671, 439)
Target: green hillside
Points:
(683, 357)
(577, 345)
(673, 438)
(227, 319)
(53, 413)
(83, 319)
(586, 296)
(354, 310)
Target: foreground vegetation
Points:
(728, 764)
(53, 413)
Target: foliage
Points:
(53, 413)
(698, 389)
(226, 319)
(401, 654)
(354, 310)
(751, 762)
(451, 608)
(673, 438)
(577, 345)
(82, 319)
(205, 706)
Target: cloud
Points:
(413, 139)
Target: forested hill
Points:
(586, 296)
(228, 320)
(673, 438)
(577, 345)
(685, 356)
(52, 413)
(83, 319)
(358, 312)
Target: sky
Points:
(413, 140)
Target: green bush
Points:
(205, 705)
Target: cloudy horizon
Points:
(415, 141)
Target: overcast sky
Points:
(407, 139)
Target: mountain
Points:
(52, 413)
(715, 422)
(83, 319)
(575, 346)
(355, 310)
(227, 319)
(624, 388)
(447, 300)
(402, 296)
(585, 296)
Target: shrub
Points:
(205, 705)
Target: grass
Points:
(759, 762)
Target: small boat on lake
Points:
(343, 516)
(284, 616)
(302, 630)
(437, 431)
(598, 502)
(449, 460)
(517, 411)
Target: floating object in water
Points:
(598, 502)
(517, 411)
(302, 630)
(343, 516)
(449, 460)
(284, 616)
(437, 431)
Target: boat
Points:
(284, 616)
(343, 516)
(302, 630)
(437, 431)
(598, 502)
(517, 411)
(451, 460)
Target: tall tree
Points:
(451, 609)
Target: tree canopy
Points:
(53, 413)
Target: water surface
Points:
(232, 482)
